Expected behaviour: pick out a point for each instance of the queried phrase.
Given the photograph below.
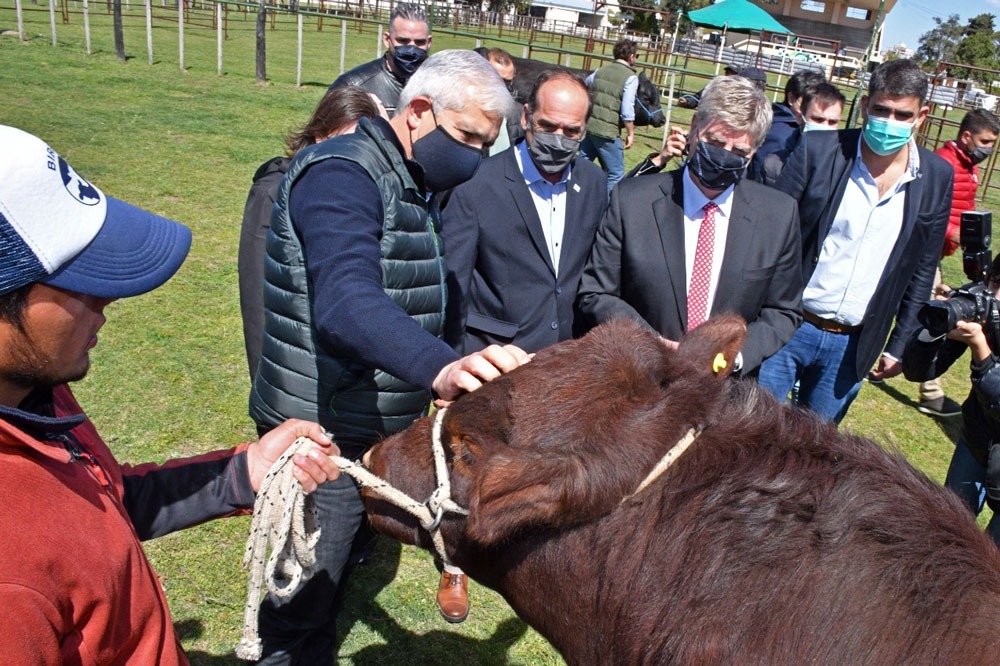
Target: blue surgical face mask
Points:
(886, 136)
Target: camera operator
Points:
(968, 318)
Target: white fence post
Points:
(343, 43)
(180, 31)
(20, 20)
(52, 19)
(298, 64)
(218, 35)
(86, 25)
(149, 30)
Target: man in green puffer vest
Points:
(354, 300)
(614, 87)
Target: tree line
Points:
(975, 44)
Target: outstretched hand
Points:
(311, 467)
(886, 368)
(470, 372)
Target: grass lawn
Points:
(169, 375)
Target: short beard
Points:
(30, 371)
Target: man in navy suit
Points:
(517, 234)
(874, 208)
(677, 247)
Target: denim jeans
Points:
(823, 364)
(610, 152)
(967, 478)
(301, 629)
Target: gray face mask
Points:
(552, 153)
(980, 153)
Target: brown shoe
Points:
(453, 597)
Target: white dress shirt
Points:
(856, 250)
(549, 199)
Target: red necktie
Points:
(701, 274)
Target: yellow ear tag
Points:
(719, 363)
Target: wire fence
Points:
(354, 28)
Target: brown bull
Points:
(775, 539)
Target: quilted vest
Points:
(298, 376)
(608, 85)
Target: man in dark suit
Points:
(517, 234)
(874, 209)
(674, 248)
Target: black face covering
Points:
(979, 153)
(446, 161)
(408, 58)
(717, 168)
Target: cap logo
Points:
(77, 186)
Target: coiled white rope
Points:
(292, 537)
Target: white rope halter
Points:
(281, 495)
(668, 459)
(293, 536)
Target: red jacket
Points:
(75, 584)
(963, 197)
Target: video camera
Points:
(974, 236)
(974, 301)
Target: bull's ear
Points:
(521, 489)
(713, 345)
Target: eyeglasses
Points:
(572, 132)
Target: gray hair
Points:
(737, 103)
(409, 11)
(445, 78)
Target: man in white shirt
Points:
(874, 209)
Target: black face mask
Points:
(408, 58)
(717, 168)
(979, 153)
(446, 161)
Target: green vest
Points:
(608, 88)
(300, 378)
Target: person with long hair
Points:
(337, 113)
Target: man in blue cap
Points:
(75, 585)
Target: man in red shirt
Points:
(75, 585)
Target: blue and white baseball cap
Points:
(59, 229)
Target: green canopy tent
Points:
(736, 16)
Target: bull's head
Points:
(648, 107)
(560, 441)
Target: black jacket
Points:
(250, 258)
(637, 271)
(816, 174)
(376, 78)
(926, 358)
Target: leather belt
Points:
(829, 325)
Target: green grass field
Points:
(169, 375)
